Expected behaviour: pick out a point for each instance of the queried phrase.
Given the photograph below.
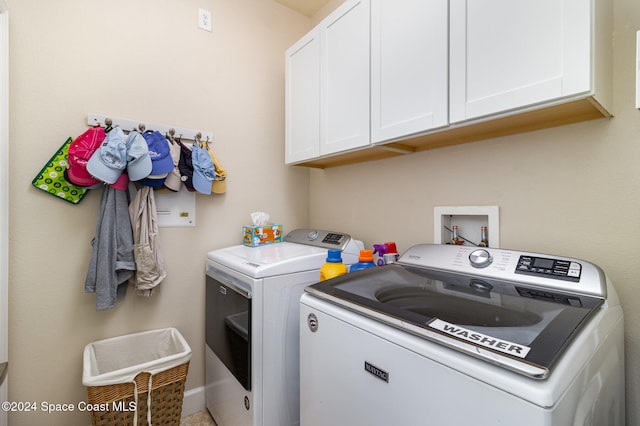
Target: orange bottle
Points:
(365, 260)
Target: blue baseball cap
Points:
(138, 160)
(110, 159)
(203, 170)
(161, 162)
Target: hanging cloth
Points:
(112, 256)
(150, 267)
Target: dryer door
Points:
(228, 325)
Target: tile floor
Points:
(201, 418)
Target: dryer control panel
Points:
(318, 238)
(549, 268)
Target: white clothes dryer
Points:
(251, 330)
(455, 335)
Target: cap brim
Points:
(201, 183)
(219, 186)
(80, 177)
(155, 183)
(188, 183)
(122, 183)
(173, 182)
(162, 165)
(139, 168)
(99, 170)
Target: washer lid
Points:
(270, 260)
(508, 323)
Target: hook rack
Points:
(126, 124)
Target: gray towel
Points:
(112, 262)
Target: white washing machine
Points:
(251, 330)
(455, 335)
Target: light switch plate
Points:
(204, 19)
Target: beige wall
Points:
(143, 60)
(573, 190)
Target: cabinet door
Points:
(509, 54)
(302, 94)
(344, 114)
(409, 67)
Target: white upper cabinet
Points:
(302, 94)
(344, 77)
(409, 67)
(507, 54)
(327, 86)
(380, 78)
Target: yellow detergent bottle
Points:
(333, 267)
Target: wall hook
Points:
(123, 123)
(171, 134)
(108, 125)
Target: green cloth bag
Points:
(51, 179)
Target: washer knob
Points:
(312, 235)
(312, 322)
(480, 258)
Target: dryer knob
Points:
(480, 258)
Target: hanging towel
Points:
(150, 268)
(112, 261)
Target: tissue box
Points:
(255, 236)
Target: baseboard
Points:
(193, 401)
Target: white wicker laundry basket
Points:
(136, 379)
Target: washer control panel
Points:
(549, 268)
(565, 274)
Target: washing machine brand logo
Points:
(380, 374)
(504, 346)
